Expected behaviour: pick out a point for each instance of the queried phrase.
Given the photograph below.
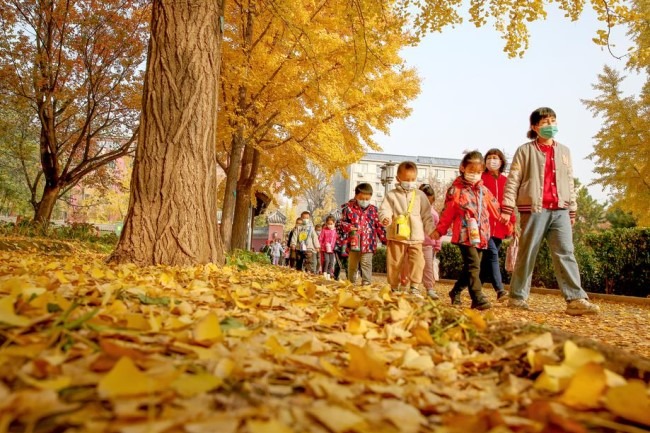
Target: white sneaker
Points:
(579, 307)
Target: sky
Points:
(474, 97)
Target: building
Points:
(369, 169)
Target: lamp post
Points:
(387, 175)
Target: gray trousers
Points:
(366, 266)
(555, 226)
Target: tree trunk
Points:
(231, 194)
(242, 218)
(46, 205)
(248, 174)
(172, 217)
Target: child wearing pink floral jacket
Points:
(327, 241)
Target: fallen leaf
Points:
(125, 379)
(630, 401)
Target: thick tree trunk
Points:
(46, 205)
(173, 208)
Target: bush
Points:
(379, 260)
(451, 262)
(623, 256)
(242, 258)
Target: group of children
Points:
(479, 212)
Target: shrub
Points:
(451, 262)
(379, 260)
(241, 258)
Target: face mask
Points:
(363, 203)
(493, 164)
(305, 221)
(472, 177)
(548, 131)
(408, 186)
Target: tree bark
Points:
(172, 217)
(248, 173)
(44, 209)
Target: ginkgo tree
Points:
(303, 85)
(173, 204)
(622, 149)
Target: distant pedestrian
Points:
(305, 242)
(540, 184)
(276, 252)
(430, 247)
(294, 252)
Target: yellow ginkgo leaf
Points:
(125, 379)
(586, 387)
(348, 300)
(189, 385)
(329, 318)
(630, 401)
(356, 326)
(330, 368)
(576, 357)
(275, 347)
(54, 384)
(335, 418)
(364, 364)
(422, 336)
(271, 426)
(208, 329)
(476, 318)
(8, 314)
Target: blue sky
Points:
(475, 97)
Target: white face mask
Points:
(363, 203)
(408, 186)
(493, 164)
(472, 177)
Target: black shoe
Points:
(455, 298)
(481, 305)
(501, 295)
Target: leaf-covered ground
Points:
(86, 347)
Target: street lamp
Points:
(387, 175)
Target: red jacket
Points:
(461, 203)
(497, 185)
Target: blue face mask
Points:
(548, 131)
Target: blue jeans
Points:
(490, 269)
(555, 226)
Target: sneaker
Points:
(502, 296)
(455, 298)
(416, 292)
(518, 303)
(578, 307)
(432, 294)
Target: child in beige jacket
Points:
(407, 214)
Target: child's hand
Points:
(385, 222)
(435, 235)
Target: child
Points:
(318, 259)
(294, 253)
(276, 252)
(407, 214)
(495, 181)
(540, 184)
(469, 205)
(430, 247)
(306, 243)
(360, 226)
(327, 241)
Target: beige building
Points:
(373, 165)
